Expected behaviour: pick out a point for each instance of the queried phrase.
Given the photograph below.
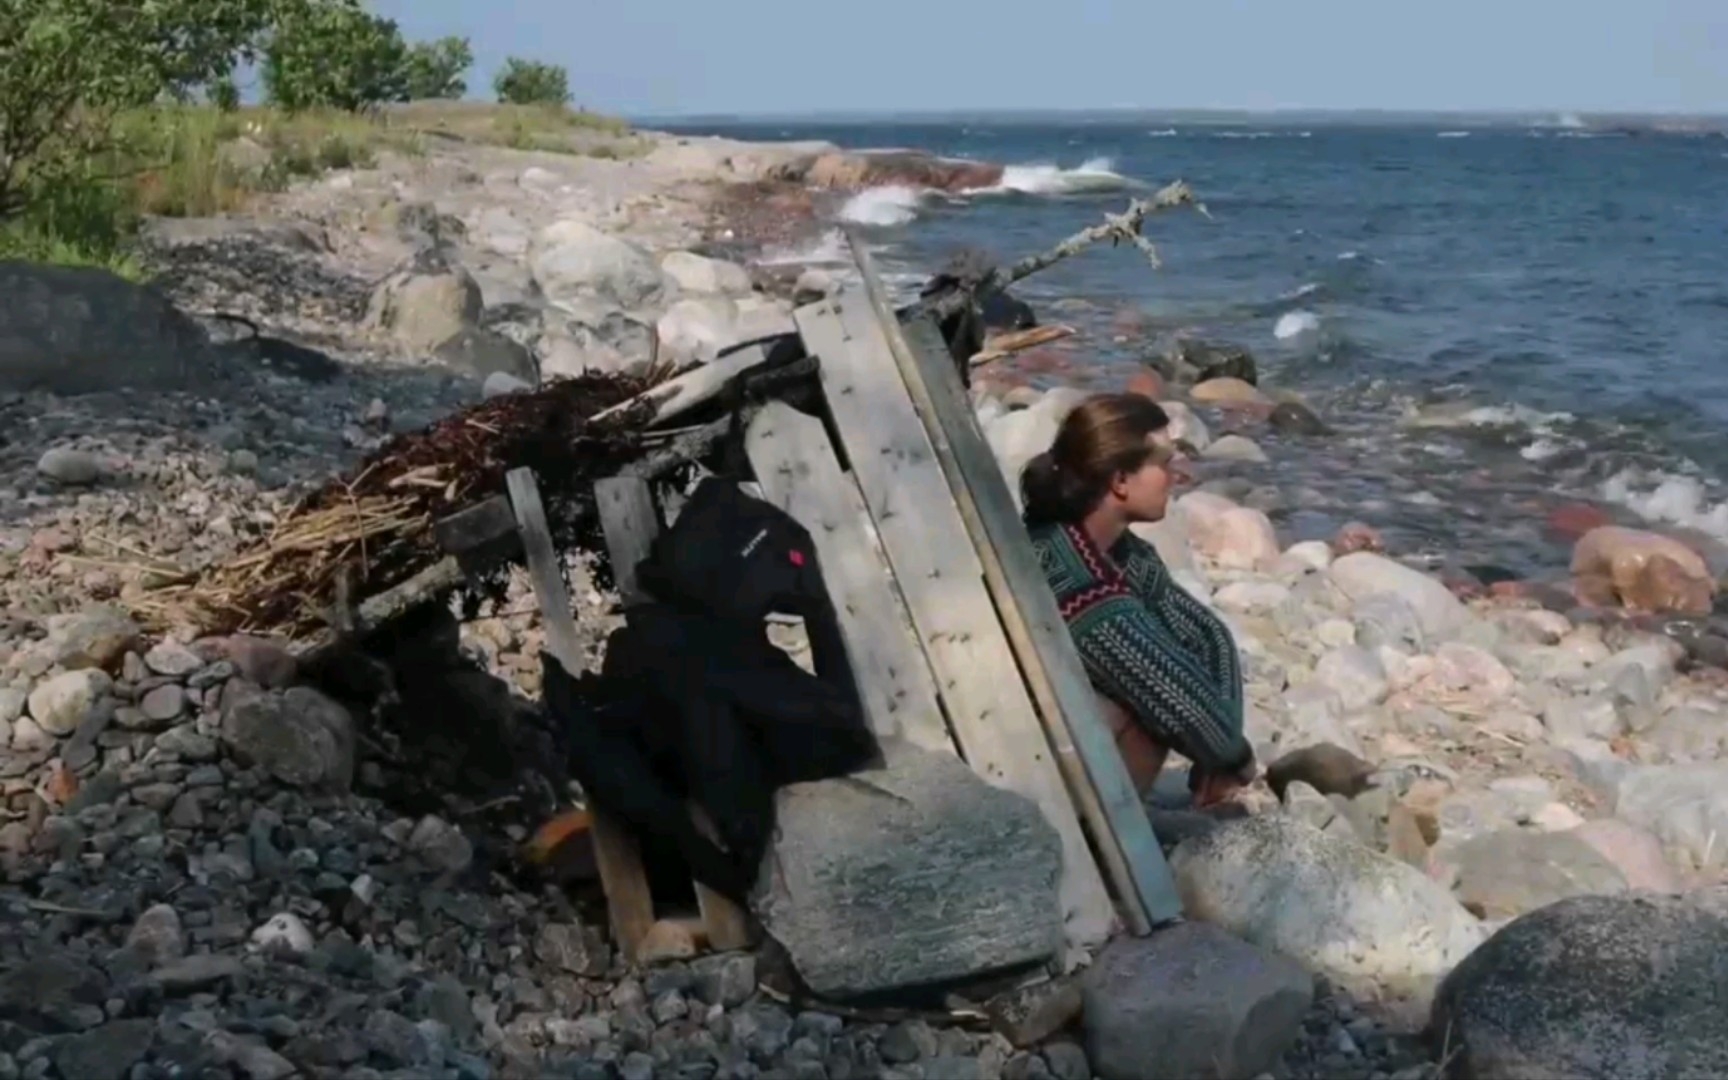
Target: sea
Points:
(1495, 319)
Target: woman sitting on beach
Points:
(1166, 666)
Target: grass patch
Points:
(197, 161)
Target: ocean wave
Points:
(1668, 497)
(1262, 134)
(1093, 176)
(1453, 135)
(1293, 324)
(895, 204)
(1165, 133)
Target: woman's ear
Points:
(1119, 485)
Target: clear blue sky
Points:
(666, 57)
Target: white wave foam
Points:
(1453, 135)
(895, 204)
(1348, 256)
(1091, 176)
(1167, 133)
(1305, 289)
(1681, 500)
(1294, 324)
(829, 249)
(1262, 134)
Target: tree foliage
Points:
(68, 66)
(435, 68)
(531, 82)
(335, 54)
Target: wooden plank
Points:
(939, 573)
(629, 901)
(480, 525)
(630, 523)
(1067, 703)
(798, 472)
(674, 397)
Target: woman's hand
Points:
(1210, 789)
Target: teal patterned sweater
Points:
(1148, 645)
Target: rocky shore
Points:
(212, 869)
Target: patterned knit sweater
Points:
(1147, 644)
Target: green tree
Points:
(335, 54)
(434, 68)
(530, 82)
(67, 67)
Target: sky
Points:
(786, 57)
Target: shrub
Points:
(334, 54)
(530, 82)
(434, 68)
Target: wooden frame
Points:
(934, 560)
(1067, 703)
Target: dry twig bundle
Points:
(372, 529)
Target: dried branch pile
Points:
(372, 529)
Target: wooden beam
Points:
(1067, 703)
(934, 560)
(798, 472)
(630, 522)
(674, 397)
(629, 901)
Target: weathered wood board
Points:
(630, 523)
(932, 556)
(1067, 703)
(798, 472)
(629, 902)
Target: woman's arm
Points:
(1134, 660)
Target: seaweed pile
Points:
(371, 529)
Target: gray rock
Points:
(498, 384)
(1685, 806)
(107, 1052)
(164, 703)
(572, 261)
(299, 736)
(157, 936)
(915, 873)
(484, 353)
(172, 659)
(699, 274)
(253, 1058)
(62, 703)
(440, 844)
(65, 465)
(580, 950)
(1374, 925)
(1505, 874)
(1593, 988)
(189, 974)
(1190, 1000)
(97, 637)
(726, 980)
(424, 310)
(79, 330)
(1387, 620)
(1355, 673)
(1235, 448)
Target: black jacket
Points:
(693, 701)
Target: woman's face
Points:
(1145, 492)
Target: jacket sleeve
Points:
(1134, 660)
(1196, 626)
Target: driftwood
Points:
(1002, 345)
(1116, 228)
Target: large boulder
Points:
(699, 274)
(1197, 361)
(298, 736)
(1593, 988)
(1019, 436)
(422, 310)
(1361, 574)
(1507, 873)
(1644, 571)
(910, 875)
(1376, 926)
(572, 262)
(1190, 1000)
(1232, 536)
(483, 353)
(79, 330)
(1685, 806)
(697, 328)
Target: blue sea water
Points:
(1495, 319)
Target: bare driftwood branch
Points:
(1116, 228)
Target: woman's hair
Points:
(1103, 436)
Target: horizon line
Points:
(1493, 113)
